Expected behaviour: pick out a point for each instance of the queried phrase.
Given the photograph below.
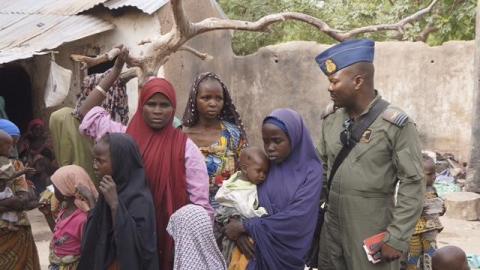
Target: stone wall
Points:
(434, 85)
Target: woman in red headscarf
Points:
(174, 165)
(35, 141)
(36, 150)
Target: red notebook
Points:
(372, 243)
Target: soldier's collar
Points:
(377, 98)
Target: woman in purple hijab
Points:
(291, 195)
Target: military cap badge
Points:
(330, 66)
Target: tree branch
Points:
(429, 28)
(182, 24)
(88, 61)
(201, 55)
(261, 25)
(399, 26)
(211, 24)
(129, 74)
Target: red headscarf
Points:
(163, 153)
(34, 123)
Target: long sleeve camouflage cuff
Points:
(395, 242)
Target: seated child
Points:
(7, 175)
(449, 258)
(424, 240)
(238, 195)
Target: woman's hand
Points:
(29, 171)
(109, 190)
(84, 194)
(245, 245)
(45, 208)
(234, 229)
(121, 58)
(32, 204)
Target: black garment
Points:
(132, 242)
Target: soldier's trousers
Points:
(339, 253)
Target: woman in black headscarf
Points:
(120, 232)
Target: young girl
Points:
(121, 232)
(424, 240)
(76, 192)
(212, 122)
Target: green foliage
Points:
(454, 19)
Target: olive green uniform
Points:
(361, 199)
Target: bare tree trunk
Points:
(473, 176)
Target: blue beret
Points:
(346, 54)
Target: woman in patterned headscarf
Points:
(195, 246)
(213, 123)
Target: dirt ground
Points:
(465, 234)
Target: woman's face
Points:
(6, 146)
(210, 99)
(157, 111)
(276, 143)
(38, 131)
(102, 162)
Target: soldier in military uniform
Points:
(360, 201)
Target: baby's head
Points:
(429, 169)
(254, 165)
(6, 143)
(449, 258)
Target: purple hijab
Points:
(291, 195)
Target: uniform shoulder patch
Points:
(395, 116)
(328, 110)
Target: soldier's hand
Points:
(389, 253)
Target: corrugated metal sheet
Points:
(24, 35)
(28, 27)
(47, 7)
(147, 6)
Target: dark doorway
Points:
(101, 68)
(15, 88)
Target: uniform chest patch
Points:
(366, 136)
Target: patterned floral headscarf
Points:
(195, 245)
(228, 114)
(116, 102)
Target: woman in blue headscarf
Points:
(291, 195)
(10, 128)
